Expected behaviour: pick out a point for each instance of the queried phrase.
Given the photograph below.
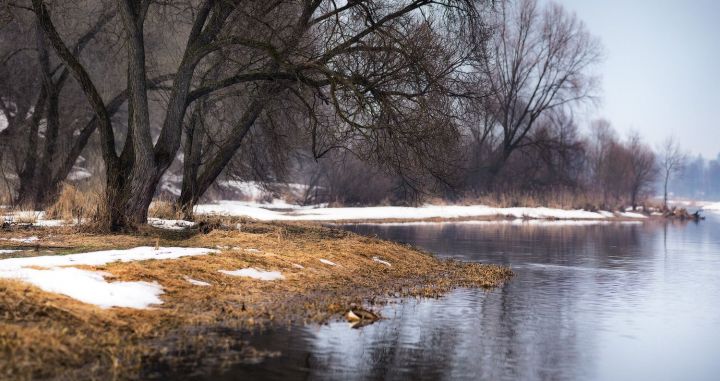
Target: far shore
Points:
(281, 211)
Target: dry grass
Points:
(165, 209)
(46, 335)
(73, 204)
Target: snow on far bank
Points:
(267, 212)
(632, 215)
(91, 286)
(254, 273)
(713, 206)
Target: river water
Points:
(613, 301)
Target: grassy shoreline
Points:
(44, 335)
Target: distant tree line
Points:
(699, 179)
(364, 101)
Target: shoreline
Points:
(324, 272)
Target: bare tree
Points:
(672, 162)
(642, 168)
(375, 81)
(539, 59)
(298, 47)
(603, 155)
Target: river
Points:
(589, 301)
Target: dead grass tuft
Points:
(165, 209)
(75, 205)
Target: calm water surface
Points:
(588, 302)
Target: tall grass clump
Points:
(75, 205)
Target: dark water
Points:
(588, 302)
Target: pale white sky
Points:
(661, 75)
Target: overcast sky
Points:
(661, 75)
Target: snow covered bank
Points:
(270, 212)
(713, 207)
(47, 273)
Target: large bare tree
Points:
(642, 168)
(540, 58)
(313, 42)
(672, 162)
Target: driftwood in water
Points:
(682, 214)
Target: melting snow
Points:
(99, 258)
(325, 261)
(26, 239)
(170, 224)
(715, 207)
(268, 212)
(91, 286)
(255, 274)
(632, 215)
(378, 260)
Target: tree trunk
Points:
(191, 165)
(665, 194)
(45, 169)
(27, 176)
(195, 186)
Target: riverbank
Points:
(210, 284)
(281, 211)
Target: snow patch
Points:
(24, 240)
(714, 207)
(89, 286)
(632, 215)
(267, 212)
(99, 258)
(378, 260)
(2, 251)
(254, 273)
(79, 173)
(170, 224)
(330, 263)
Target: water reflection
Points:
(589, 302)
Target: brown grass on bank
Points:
(47, 335)
(560, 200)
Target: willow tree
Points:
(50, 124)
(315, 45)
(374, 78)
